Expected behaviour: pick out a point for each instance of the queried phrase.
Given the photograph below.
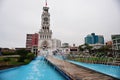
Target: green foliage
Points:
(30, 56)
(100, 54)
(27, 61)
(14, 61)
(85, 47)
(94, 59)
(1, 59)
(25, 58)
(80, 48)
(8, 53)
(6, 59)
(23, 53)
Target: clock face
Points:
(45, 19)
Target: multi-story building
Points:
(94, 39)
(73, 49)
(35, 39)
(89, 39)
(56, 44)
(65, 48)
(100, 39)
(65, 45)
(29, 41)
(116, 42)
(35, 43)
(32, 42)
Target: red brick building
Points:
(35, 39)
(32, 42)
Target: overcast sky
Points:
(71, 20)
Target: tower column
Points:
(45, 34)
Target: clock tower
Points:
(45, 34)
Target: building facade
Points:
(42, 41)
(35, 39)
(89, 39)
(65, 45)
(32, 42)
(73, 49)
(29, 41)
(94, 39)
(45, 34)
(116, 42)
(45, 41)
(56, 44)
(100, 39)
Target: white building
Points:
(96, 46)
(56, 44)
(45, 41)
(45, 34)
(65, 48)
(116, 42)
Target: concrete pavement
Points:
(77, 72)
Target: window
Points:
(114, 41)
(118, 41)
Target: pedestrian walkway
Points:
(77, 72)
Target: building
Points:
(32, 42)
(29, 41)
(56, 44)
(89, 39)
(100, 39)
(65, 45)
(65, 48)
(35, 39)
(45, 41)
(35, 43)
(45, 34)
(96, 46)
(73, 49)
(116, 42)
(94, 39)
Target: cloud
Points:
(71, 20)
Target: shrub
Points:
(1, 59)
(27, 61)
(30, 56)
(6, 59)
(23, 53)
(8, 53)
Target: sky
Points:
(70, 20)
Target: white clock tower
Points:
(45, 34)
(45, 41)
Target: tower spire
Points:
(46, 3)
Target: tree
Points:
(88, 47)
(81, 48)
(23, 53)
(30, 56)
